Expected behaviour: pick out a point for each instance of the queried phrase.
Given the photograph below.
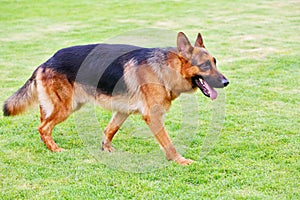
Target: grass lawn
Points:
(247, 144)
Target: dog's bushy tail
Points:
(21, 100)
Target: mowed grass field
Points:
(256, 155)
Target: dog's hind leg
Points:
(115, 123)
(60, 112)
(55, 94)
(61, 109)
(47, 126)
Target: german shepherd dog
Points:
(122, 78)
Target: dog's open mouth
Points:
(205, 88)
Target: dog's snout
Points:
(225, 82)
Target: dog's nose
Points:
(225, 82)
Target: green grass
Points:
(257, 154)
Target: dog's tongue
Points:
(213, 93)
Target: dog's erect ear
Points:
(199, 41)
(184, 46)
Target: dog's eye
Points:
(205, 66)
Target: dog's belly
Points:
(121, 103)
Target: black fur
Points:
(68, 60)
(112, 79)
(98, 65)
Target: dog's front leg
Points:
(155, 121)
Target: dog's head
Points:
(200, 69)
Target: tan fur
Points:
(55, 94)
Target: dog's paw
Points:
(58, 149)
(183, 161)
(107, 147)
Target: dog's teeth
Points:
(201, 80)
